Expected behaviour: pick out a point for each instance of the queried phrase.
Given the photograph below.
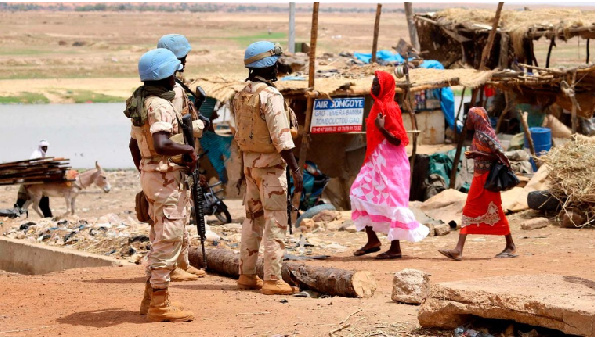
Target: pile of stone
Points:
(108, 235)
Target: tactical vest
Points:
(252, 133)
(148, 150)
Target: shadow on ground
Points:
(102, 318)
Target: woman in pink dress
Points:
(379, 195)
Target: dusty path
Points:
(104, 301)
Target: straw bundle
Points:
(520, 21)
(571, 173)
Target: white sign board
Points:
(338, 115)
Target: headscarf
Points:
(384, 103)
(485, 139)
(39, 152)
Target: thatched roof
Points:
(553, 84)
(559, 23)
(223, 89)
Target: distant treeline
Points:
(194, 8)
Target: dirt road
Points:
(104, 301)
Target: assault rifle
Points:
(196, 190)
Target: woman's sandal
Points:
(506, 255)
(363, 251)
(449, 255)
(388, 256)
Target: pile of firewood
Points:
(37, 170)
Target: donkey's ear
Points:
(98, 166)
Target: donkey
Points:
(65, 189)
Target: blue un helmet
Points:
(176, 43)
(157, 64)
(262, 54)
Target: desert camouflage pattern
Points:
(262, 122)
(266, 215)
(266, 186)
(168, 209)
(162, 183)
(162, 117)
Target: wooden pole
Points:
(574, 105)
(587, 51)
(375, 35)
(461, 140)
(412, 29)
(462, 97)
(552, 44)
(527, 133)
(310, 99)
(509, 98)
(292, 28)
(490, 41)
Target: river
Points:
(84, 133)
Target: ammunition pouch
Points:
(141, 207)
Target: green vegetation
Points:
(87, 96)
(24, 98)
(244, 41)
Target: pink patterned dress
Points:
(379, 195)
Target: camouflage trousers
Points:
(266, 215)
(168, 209)
(183, 261)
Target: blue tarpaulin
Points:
(445, 95)
(384, 55)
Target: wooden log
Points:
(461, 140)
(329, 281)
(491, 37)
(375, 34)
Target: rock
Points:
(431, 227)
(535, 223)
(345, 215)
(345, 224)
(309, 224)
(349, 226)
(445, 206)
(334, 226)
(325, 216)
(571, 220)
(319, 226)
(441, 230)
(568, 307)
(410, 286)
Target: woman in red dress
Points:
(483, 213)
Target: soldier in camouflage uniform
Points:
(154, 124)
(180, 46)
(262, 132)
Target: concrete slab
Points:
(33, 258)
(557, 302)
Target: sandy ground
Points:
(38, 55)
(104, 301)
